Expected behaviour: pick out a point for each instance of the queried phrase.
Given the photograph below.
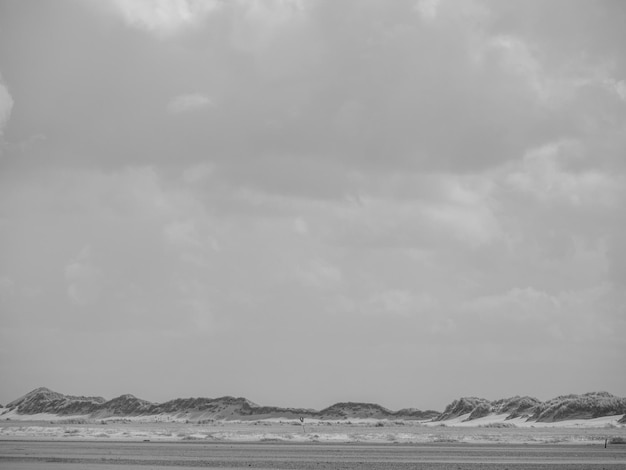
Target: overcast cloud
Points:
(310, 201)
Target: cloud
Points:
(450, 172)
(300, 226)
(616, 86)
(320, 274)
(516, 57)
(475, 225)
(527, 313)
(6, 105)
(352, 86)
(198, 173)
(183, 233)
(164, 17)
(427, 8)
(549, 173)
(189, 102)
(257, 24)
(400, 302)
(423, 210)
(194, 243)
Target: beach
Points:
(99, 455)
(125, 444)
(484, 431)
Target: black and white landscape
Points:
(339, 209)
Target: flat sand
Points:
(287, 432)
(109, 455)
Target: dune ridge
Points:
(564, 407)
(466, 409)
(44, 400)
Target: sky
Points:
(310, 201)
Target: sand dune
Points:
(592, 409)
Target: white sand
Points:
(493, 420)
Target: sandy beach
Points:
(592, 432)
(39, 445)
(38, 455)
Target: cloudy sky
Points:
(310, 201)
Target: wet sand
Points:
(56, 455)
